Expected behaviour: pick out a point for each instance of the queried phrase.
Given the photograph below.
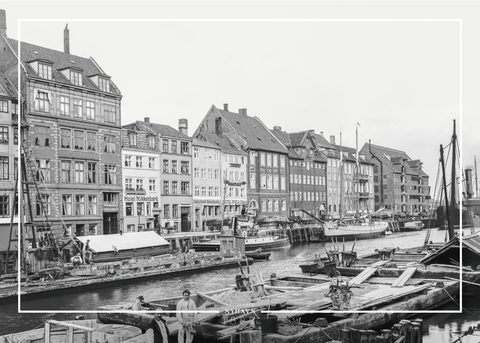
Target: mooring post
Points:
(363, 336)
(416, 332)
(372, 336)
(407, 326)
(345, 336)
(387, 335)
(424, 328)
(354, 335)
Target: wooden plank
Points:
(56, 322)
(406, 275)
(380, 263)
(363, 276)
(215, 301)
(390, 298)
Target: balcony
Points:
(363, 177)
(138, 190)
(363, 195)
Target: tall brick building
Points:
(400, 184)
(71, 141)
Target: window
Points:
(43, 205)
(15, 135)
(165, 145)
(283, 204)
(269, 181)
(110, 198)
(80, 205)
(217, 155)
(217, 174)
(132, 138)
(204, 191)
(45, 71)
(253, 180)
(79, 140)
(4, 168)
(173, 147)
(109, 113)
(3, 135)
(210, 173)
(166, 211)
(166, 186)
(263, 181)
(175, 210)
(104, 84)
(92, 205)
(4, 205)
(151, 185)
(91, 141)
(65, 172)
(77, 108)
(275, 160)
(128, 161)
(42, 136)
(14, 108)
(282, 161)
(262, 159)
(196, 173)
(110, 174)
(195, 152)
(184, 167)
(185, 188)
(174, 167)
(166, 166)
(129, 184)
(151, 162)
(282, 183)
(269, 160)
(139, 161)
(76, 78)
(185, 149)
(217, 191)
(174, 187)
(43, 171)
(66, 205)
(275, 182)
(275, 205)
(109, 144)
(197, 191)
(79, 172)
(139, 185)
(90, 110)
(91, 172)
(263, 203)
(42, 102)
(140, 208)
(151, 141)
(203, 173)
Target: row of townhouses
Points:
(89, 174)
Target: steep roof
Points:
(297, 138)
(61, 60)
(321, 141)
(222, 142)
(162, 130)
(253, 131)
(283, 137)
(204, 144)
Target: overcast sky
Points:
(393, 67)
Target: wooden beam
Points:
(406, 275)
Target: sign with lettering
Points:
(140, 198)
(206, 201)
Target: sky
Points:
(398, 72)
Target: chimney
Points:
(332, 139)
(66, 40)
(183, 126)
(147, 120)
(242, 111)
(321, 133)
(225, 107)
(469, 183)
(277, 128)
(3, 23)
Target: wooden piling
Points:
(387, 335)
(407, 327)
(423, 328)
(363, 336)
(416, 332)
(354, 335)
(372, 336)
(345, 336)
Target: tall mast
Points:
(356, 184)
(454, 179)
(476, 179)
(447, 211)
(340, 210)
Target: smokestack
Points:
(332, 139)
(66, 40)
(242, 111)
(147, 120)
(3, 23)
(225, 107)
(469, 183)
(183, 126)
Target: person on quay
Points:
(186, 319)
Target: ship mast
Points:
(476, 179)
(454, 180)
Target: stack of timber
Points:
(91, 276)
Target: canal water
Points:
(282, 261)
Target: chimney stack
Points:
(66, 40)
(225, 107)
(277, 128)
(183, 126)
(332, 139)
(242, 111)
(321, 134)
(147, 120)
(469, 183)
(3, 23)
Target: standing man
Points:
(186, 320)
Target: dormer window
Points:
(76, 78)
(132, 138)
(104, 84)
(45, 71)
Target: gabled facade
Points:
(174, 149)
(307, 172)
(268, 193)
(400, 184)
(71, 141)
(233, 174)
(141, 178)
(8, 172)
